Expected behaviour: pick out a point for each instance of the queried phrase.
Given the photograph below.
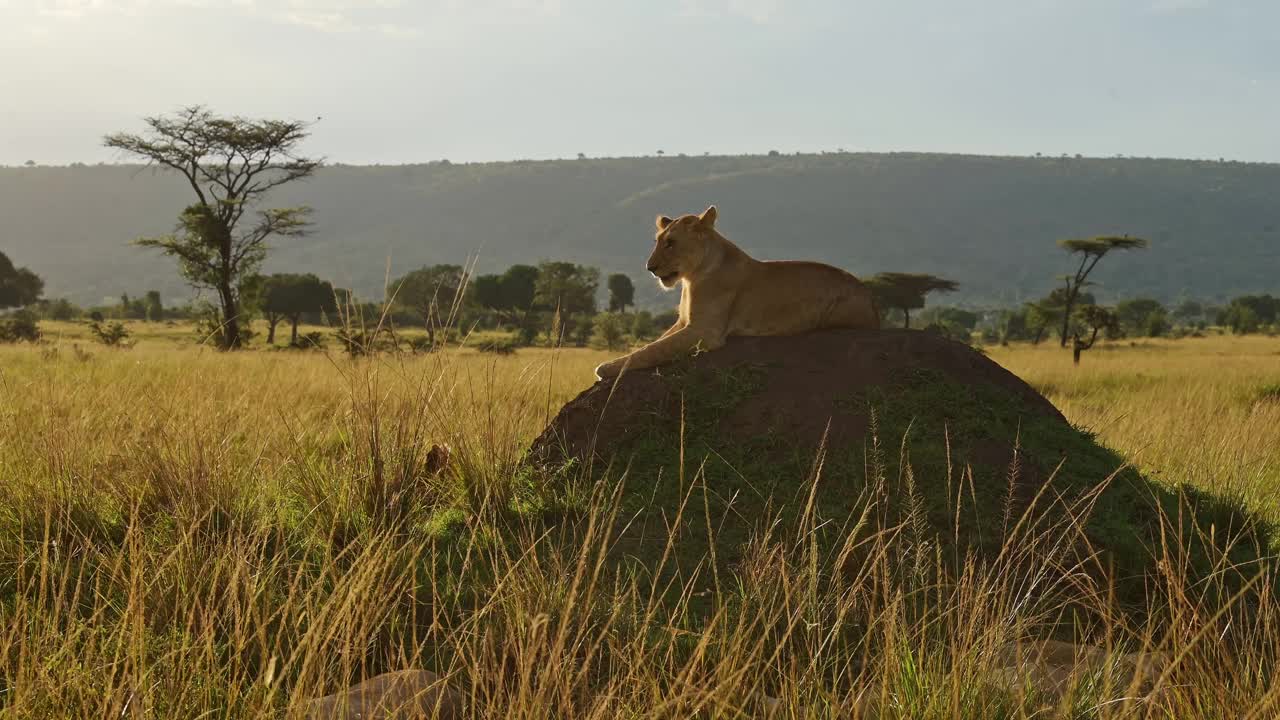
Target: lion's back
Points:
(785, 297)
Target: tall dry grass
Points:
(190, 534)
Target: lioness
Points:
(728, 292)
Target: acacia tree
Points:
(907, 291)
(436, 292)
(568, 289)
(230, 163)
(1050, 310)
(19, 287)
(622, 292)
(288, 296)
(1090, 320)
(510, 295)
(1090, 250)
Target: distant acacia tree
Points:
(287, 296)
(230, 163)
(509, 295)
(570, 290)
(19, 287)
(1050, 310)
(435, 292)
(622, 292)
(1090, 320)
(1090, 250)
(907, 291)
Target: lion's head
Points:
(681, 246)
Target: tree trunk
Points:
(272, 321)
(1066, 314)
(906, 318)
(230, 317)
(293, 334)
(1076, 348)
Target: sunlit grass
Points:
(1193, 410)
(186, 533)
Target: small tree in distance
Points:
(510, 296)
(435, 291)
(19, 287)
(622, 293)
(907, 291)
(569, 290)
(288, 296)
(230, 163)
(1090, 320)
(1090, 251)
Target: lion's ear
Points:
(708, 216)
(662, 222)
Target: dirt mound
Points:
(930, 431)
(765, 384)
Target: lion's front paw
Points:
(607, 370)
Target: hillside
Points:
(988, 222)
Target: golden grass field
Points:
(186, 533)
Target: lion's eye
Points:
(670, 243)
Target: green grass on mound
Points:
(961, 473)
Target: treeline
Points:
(1134, 318)
(554, 302)
(559, 302)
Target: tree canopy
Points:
(622, 292)
(907, 291)
(510, 294)
(434, 292)
(567, 287)
(289, 296)
(19, 287)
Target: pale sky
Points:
(400, 81)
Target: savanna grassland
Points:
(186, 533)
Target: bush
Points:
(582, 329)
(311, 340)
(609, 331)
(498, 347)
(1241, 319)
(18, 327)
(110, 334)
(421, 344)
(1156, 324)
(642, 326)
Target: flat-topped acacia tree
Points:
(231, 163)
(1090, 250)
(907, 291)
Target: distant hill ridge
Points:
(988, 222)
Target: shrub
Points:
(609, 331)
(498, 347)
(421, 344)
(18, 327)
(311, 340)
(642, 326)
(113, 334)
